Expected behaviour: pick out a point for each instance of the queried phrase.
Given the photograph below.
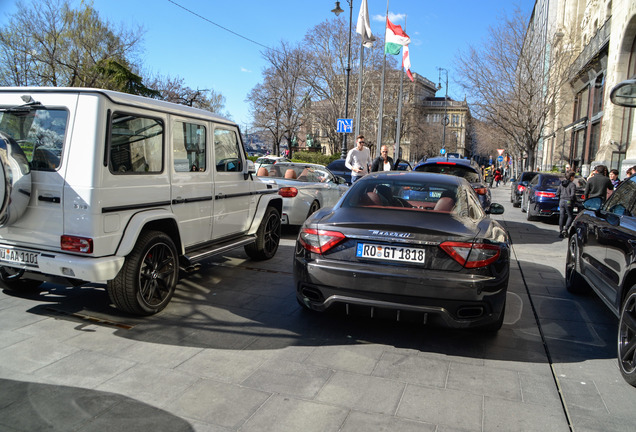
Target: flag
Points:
(406, 62)
(363, 28)
(395, 38)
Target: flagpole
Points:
(360, 75)
(396, 153)
(381, 110)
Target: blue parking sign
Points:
(344, 126)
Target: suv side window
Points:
(189, 142)
(620, 202)
(227, 151)
(136, 144)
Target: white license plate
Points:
(390, 253)
(19, 256)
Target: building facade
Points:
(591, 130)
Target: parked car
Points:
(602, 255)
(407, 243)
(113, 188)
(518, 185)
(539, 198)
(305, 188)
(459, 167)
(338, 168)
(267, 161)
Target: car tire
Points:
(574, 282)
(523, 204)
(529, 215)
(313, 208)
(627, 338)
(267, 237)
(12, 280)
(147, 281)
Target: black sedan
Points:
(519, 185)
(407, 243)
(539, 199)
(602, 255)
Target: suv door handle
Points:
(55, 200)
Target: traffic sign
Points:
(344, 126)
(442, 151)
(500, 159)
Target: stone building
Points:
(591, 130)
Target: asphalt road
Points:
(234, 352)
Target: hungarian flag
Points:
(406, 62)
(395, 38)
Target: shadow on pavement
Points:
(237, 304)
(532, 233)
(28, 406)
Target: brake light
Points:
(521, 188)
(288, 192)
(472, 255)
(481, 190)
(76, 244)
(545, 194)
(319, 241)
(446, 163)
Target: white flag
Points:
(363, 28)
(406, 61)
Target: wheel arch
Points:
(628, 281)
(159, 220)
(275, 201)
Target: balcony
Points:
(598, 42)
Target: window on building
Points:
(599, 90)
(628, 113)
(594, 140)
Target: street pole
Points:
(445, 119)
(337, 10)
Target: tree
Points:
(514, 81)
(47, 43)
(278, 103)
(173, 89)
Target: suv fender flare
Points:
(161, 220)
(265, 201)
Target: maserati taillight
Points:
(472, 255)
(319, 241)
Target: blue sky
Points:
(179, 43)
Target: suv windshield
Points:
(452, 169)
(39, 132)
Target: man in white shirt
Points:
(358, 159)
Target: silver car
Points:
(304, 187)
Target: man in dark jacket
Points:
(598, 184)
(566, 193)
(384, 162)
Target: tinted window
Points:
(551, 182)
(452, 169)
(621, 202)
(136, 144)
(188, 141)
(39, 132)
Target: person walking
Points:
(566, 192)
(598, 184)
(358, 160)
(384, 162)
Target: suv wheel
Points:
(267, 237)
(147, 281)
(574, 282)
(627, 338)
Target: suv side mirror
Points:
(624, 93)
(251, 169)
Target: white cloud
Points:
(392, 16)
(245, 70)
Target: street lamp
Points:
(445, 119)
(337, 10)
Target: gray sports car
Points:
(407, 243)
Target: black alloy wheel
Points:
(267, 237)
(627, 338)
(574, 282)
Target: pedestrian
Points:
(630, 172)
(598, 184)
(358, 159)
(384, 162)
(566, 192)
(613, 175)
(497, 176)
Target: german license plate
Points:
(19, 256)
(390, 253)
